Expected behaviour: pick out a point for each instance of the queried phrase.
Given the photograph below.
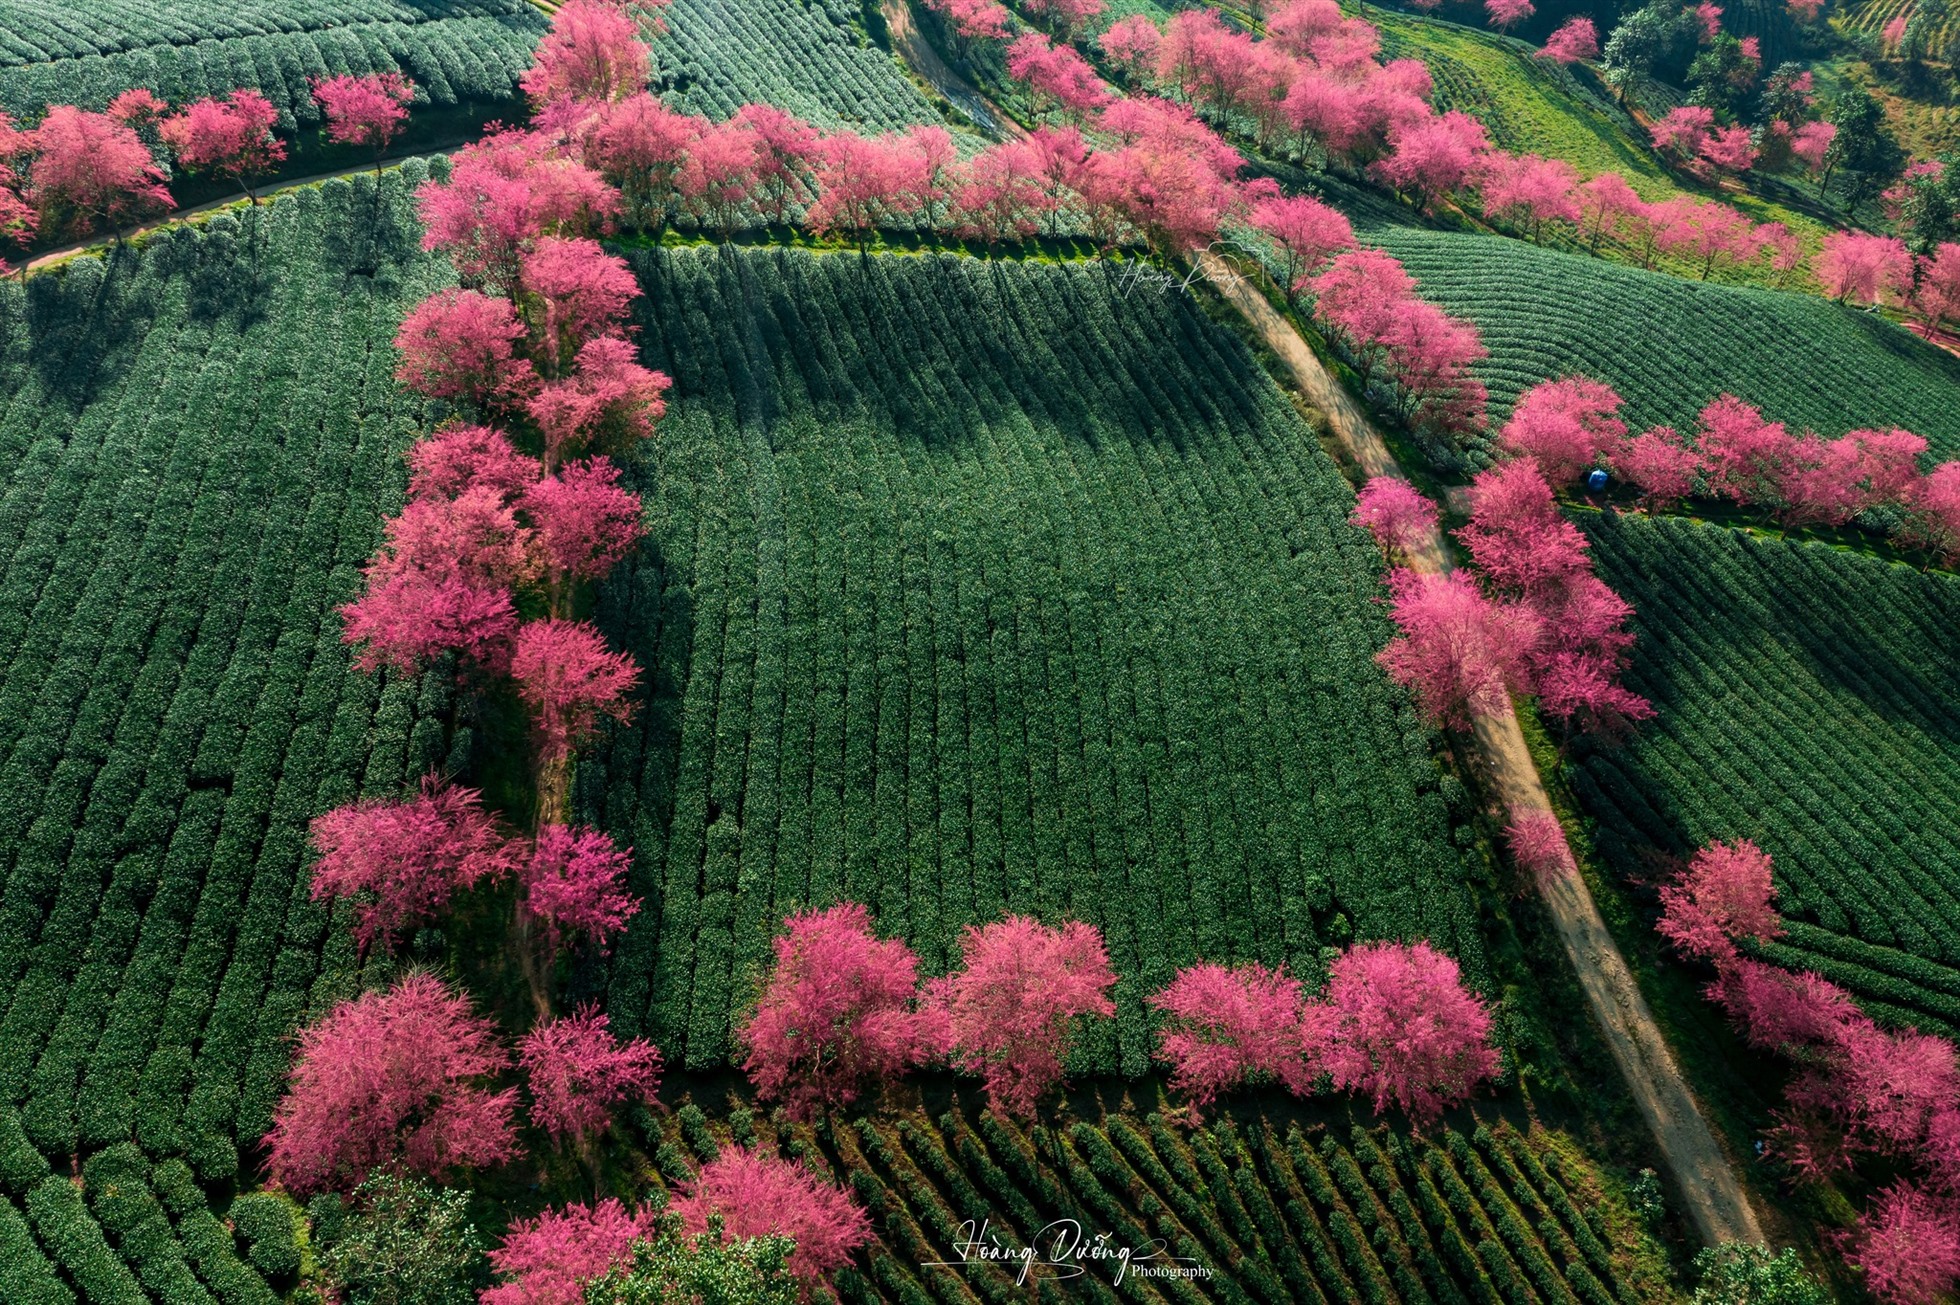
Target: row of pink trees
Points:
(1541, 622)
(1571, 424)
(1860, 1094)
(77, 171)
(842, 1013)
(509, 516)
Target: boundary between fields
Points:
(1713, 1195)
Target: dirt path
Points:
(50, 257)
(918, 54)
(1701, 1170)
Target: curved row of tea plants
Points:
(1261, 1205)
(812, 58)
(460, 52)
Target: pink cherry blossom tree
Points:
(460, 344)
(1506, 14)
(1525, 188)
(972, 20)
(1225, 1026)
(1603, 201)
(1396, 513)
(585, 524)
(1460, 654)
(1004, 195)
(549, 1260)
(1398, 1025)
(1055, 75)
(1811, 142)
(403, 861)
(1864, 268)
(1427, 357)
(1936, 293)
(1908, 1246)
(574, 291)
(1822, 482)
(760, 1195)
(1724, 896)
(1353, 300)
(1684, 130)
(1710, 234)
(1933, 514)
(1660, 464)
(138, 107)
(1568, 425)
(1728, 150)
(1575, 42)
(640, 145)
(1743, 456)
(579, 1072)
(231, 137)
(367, 112)
(391, 1078)
(1131, 44)
(1434, 156)
(838, 1013)
(504, 192)
(861, 181)
(568, 679)
(1537, 842)
(784, 149)
(1517, 536)
(1011, 1008)
(1777, 1010)
(609, 402)
(593, 52)
(89, 168)
(1306, 234)
(574, 883)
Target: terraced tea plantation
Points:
(1273, 1206)
(1531, 105)
(461, 52)
(813, 59)
(976, 587)
(1676, 344)
(1808, 698)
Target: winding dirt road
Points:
(918, 54)
(1701, 1170)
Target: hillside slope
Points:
(1670, 345)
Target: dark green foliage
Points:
(458, 51)
(977, 587)
(670, 1269)
(405, 1242)
(1808, 698)
(1864, 156)
(1736, 1273)
(72, 1238)
(1676, 344)
(264, 1223)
